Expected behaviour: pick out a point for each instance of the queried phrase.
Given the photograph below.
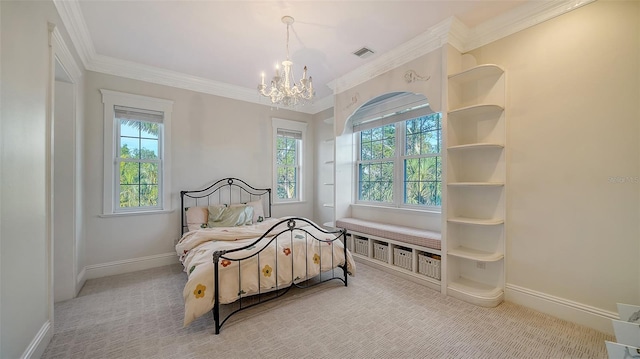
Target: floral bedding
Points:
(295, 249)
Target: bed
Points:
(237, 256)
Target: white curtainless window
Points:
(136, 154)
(288, 139)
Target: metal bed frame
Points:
(213, 195)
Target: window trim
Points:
(110, 99)
(399, 176)
(278, 123)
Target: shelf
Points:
(474, 146)
(328, 162)
(329, 140)
(476, 255)
(474, 111)
(476, 221)
(328, 205)
(475, 184)
(476, 73)
(328, 184)
(476, 293)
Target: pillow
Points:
(231, 216)
(215, 212)
(258, 210)
(197, 217)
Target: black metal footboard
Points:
(285, 240)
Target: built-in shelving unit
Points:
(476, 185)
(328, 178)
(416, 263)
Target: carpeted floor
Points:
(139, 315)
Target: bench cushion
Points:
(419, 237)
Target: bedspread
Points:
(293, 256)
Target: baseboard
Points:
(80, 279)
(39, 343)
(129, 265)
(592, 317)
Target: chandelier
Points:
(283, 90)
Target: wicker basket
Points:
(402, 258)
(429, 266)
(362, 245)
(381, 251)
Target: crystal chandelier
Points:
(283, 90)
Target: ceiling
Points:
(227, 44)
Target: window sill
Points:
(138, 213)
(286, 203)
(398, 209)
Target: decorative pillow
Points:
(197, 217)
(230, 216)
(258, 210)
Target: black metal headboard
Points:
(225, 191)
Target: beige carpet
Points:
(139, 315)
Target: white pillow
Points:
(197, 217)
(258, 210)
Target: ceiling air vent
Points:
(363, 53)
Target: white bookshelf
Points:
(476, 185)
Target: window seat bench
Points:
(409, 252)
(410, 235)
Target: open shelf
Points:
(476, 255)
(476, 221)
(476, 146)
(476, 184)
(476, 73)
(477, 293)
(474, 111)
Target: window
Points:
(399, 164)
(136, 153)
(288, 142)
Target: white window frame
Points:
(110, 201)
(398, 174)
(278, 123)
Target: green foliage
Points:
(139, 165)
(287, 172)
(422, 169)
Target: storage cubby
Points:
(414, 262)
(403, 257)
(381, 251)
(361, 245)
(429, 264)
(476, 185)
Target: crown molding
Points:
(420, 45)
(73, 20)
(518, 19)
(62, 52)
(451, 31)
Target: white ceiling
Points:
(229, 43)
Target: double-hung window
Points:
(136, 154)
(399, 164)
(288, 139)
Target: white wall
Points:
(212, 138)
(25, 326)
(573, 165)
(64, 245)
